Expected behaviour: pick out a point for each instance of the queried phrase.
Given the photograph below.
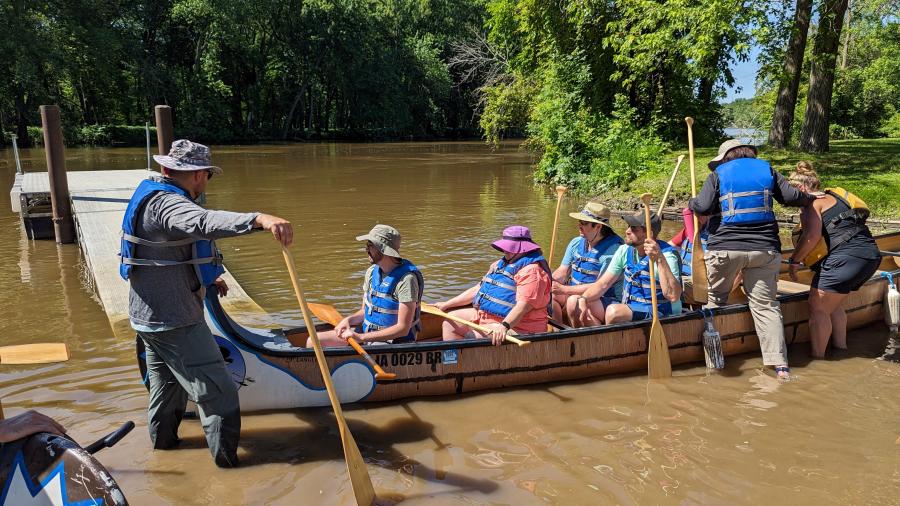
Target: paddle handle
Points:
(314, 337)
(645, 198)
(560, 191)
(110, 439)
(428, 308)
(379, 372)
(662, 203)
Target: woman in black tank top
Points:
(851, 260)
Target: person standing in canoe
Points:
(587, 257)
(392, 296)
(738, 197)
(169, 258)
(838, 246)
(513, 295)
(632, 261)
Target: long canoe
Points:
(49, 469)
(273, 374)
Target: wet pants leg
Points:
(192, 358)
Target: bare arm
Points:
(596, 289)
(668, 283)
(405, 315)
(462, 299)
(811, 221)
(26, 424)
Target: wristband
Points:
(506, 325)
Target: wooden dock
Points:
(99, 199)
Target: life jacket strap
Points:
(167, 263)
(157, 244)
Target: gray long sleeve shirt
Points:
(170, 297)
(755, 237)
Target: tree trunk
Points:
(814, 135)
(24, 140)
(783, 117)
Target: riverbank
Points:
(870, 168)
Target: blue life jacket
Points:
(745, 191)
(588, 266)
(687, 251)
(497, 292)
(381, 305)
(205, 257)
(637, 283)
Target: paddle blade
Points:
(658, 362)
(325, 312)
(36, 353)
(356, 467)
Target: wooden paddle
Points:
(662, 203)
(658, 362)
(428, 308)
(699, 279)
(36, 353)
(560, 191)
(328, 313)
(356, 466)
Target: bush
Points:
(583, 148)
(98, 135)
(891, 126)
(841, 132)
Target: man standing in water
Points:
(170, 259)
(743, 239)
(392, 295)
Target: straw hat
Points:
(593, 212)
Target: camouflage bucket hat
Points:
(187, 156)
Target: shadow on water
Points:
(316, 439)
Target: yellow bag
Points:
(858, 210)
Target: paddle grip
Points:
(110, 439)
(379, 372)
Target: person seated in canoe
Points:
(26, 424)
(632, 261)
(587, 257)
(392, 296)
(514, 294)
(838, 246)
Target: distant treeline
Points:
(238, 70)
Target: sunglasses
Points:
(209, 174)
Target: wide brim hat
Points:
(516, 240)
(724, 148)
(638, 219)
(386, 238)
(594, 212)
(187, 156)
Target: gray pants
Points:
(760, 270)
(186, 363)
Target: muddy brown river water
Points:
(739, 437)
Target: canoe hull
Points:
(272, 374)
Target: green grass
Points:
(870, 168)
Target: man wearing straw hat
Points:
(632, 261)
(514, 294)
(587, 257)
(169, 256)
(392, 296)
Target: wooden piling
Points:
(63, 225)
(164, 129)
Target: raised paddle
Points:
(328, 313)
(658, 363)
(430, 309)
(560, 191)
(662, 203)
(35, 353)
(699, 281)
(356, 466)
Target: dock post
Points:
(63, 226)
(164, 135)
(15, 146)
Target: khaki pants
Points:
(760, 270)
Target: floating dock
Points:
(99, 199)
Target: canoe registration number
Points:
(409, 358)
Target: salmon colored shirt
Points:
(533, 286)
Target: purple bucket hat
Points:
(516, 240)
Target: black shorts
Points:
(843, 274)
